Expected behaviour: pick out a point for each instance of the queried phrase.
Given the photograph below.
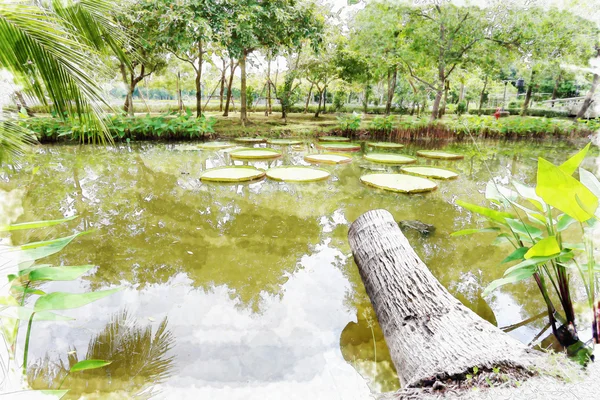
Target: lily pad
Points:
(186, 147)
(431, 172)
(232, 174)
(388, 158)
(251, 140)
(339, 146)
(327, 158)
(399, 183)
(385, 145)
(215, 145)
(284, 142)
(333, 139)
(297, 174)
(441, 155)
(255, 154)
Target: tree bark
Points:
(556, 86)
(243, 100)
(391, 90)
(319, 105)
(268, 105)
(179, 98)
(308, 97)
(528, 95)
(430, 334)
(443, 107)
(23, 103)
(589, 97)
(222, 90)
(485, 82)
(199, 81)
(436, 105)
(232, 68)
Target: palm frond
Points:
(35, 44)
(14, 140)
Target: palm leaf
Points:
(14, 140)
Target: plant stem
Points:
(27, 336)
(63, 380)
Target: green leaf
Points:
(472, 231)
(59, 273)
(544, 248)
(523, 228)
(534, 261)
(529, 193)
(496, 216)
(514, 277)
(571, 165)
(89, 364)
(23, 313)
(590, 181)
(564, 221)
(518, 254)
(37, 250)
(25, 290)
(64, 301)
(564, 192)
(499, 193)
(34, 225)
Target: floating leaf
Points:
(334, 139)
(251, 139)
(399, 183)
(431, 172)
(564, 192)
(387, 158)
(472, 231)
(64, 301)
(442, 155)
(385, 145)
(232, 174)
(297, 174)
(327, 158)
(255, 154)
(571, 165)
(59, 273)
(497, 216)
(35, 224)
(339, 146)
(544, 248)
(215, 145)
(284, 142)
(89, 364)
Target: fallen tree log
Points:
(430, 334)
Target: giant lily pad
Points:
(399, 183)
(339, 146)
(430, 172)
(385, 145)
(387, 158)
(255, 154)
(284, 142)
(186, 147)
(441, 155)
(251, 140)
(215, 145)
(232, 174)
(327, 158)
(297, 174)
(334, 139)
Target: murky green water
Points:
(243, 291)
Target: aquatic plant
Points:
(349, 122)
(383, 124)
(534, 220)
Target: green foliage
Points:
(461, 107)
(559, 201)
(349, 122)
(383, 124)
(89, 364)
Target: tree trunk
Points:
(436, 105)
(199, 81)
(430, 334)
(222, 90)
(556, 86)
(232, 68)
(324, 95)
(319, 105)
(391, 90)
(589, 97)
(461, 95)
(485, 82)
(528, 95)
(243, 100)
(366, 100)
(443, 107)
(308, 97)
(179, 98)
(23, 103)
(268, 105)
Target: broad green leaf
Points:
(523, 228)
(37, 250)
(496, 216)
(34, 225)
(23, 313)
(502, 238)
(531, 214)
(25, 290)
(529, 193)
(573, 246)
(564, 192)
(515, 277)
(534, 261)
(563, 222)
(571, 165)
(472, 231)
(499, 193)
(518, 254)
(27, 270)
(590, 181)
(64, 301)
(59, 273)
(544, 248)
(89, 364)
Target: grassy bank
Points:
(394, 128)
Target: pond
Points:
(246, 291)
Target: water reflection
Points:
(262, 298)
